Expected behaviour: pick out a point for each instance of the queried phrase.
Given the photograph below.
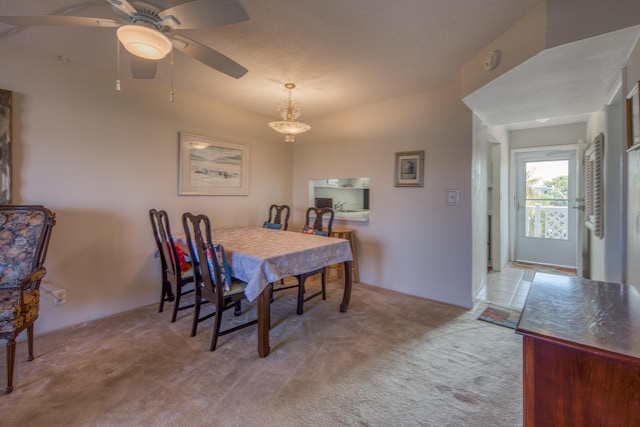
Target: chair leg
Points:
(196, 316)
(163, 297)
(170, 296)
(11, 357)
(238, 310)
(324, 284)
(301, 280)
(216, 328)
(176, 305)
(164, 292)
(167, 295)
(30, 342)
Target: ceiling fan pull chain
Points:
(171, 97)
(118, 65)
(171, 94)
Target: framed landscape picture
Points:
(213, 167)
(409, 169)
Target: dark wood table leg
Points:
(348, 272)
(264, 321)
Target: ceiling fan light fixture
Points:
(289, 111)
(144, 42)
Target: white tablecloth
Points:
(260, 256)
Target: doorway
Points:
(545, 224)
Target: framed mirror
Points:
(5, 147)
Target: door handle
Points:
(579, 207)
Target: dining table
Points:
(261, 256)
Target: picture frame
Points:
(633, 118)
(409, 169)
(212, 167)
(5, 145)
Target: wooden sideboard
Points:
(581, 349)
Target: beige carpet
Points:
(391, 360)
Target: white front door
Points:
(545, 227)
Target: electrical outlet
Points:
(60, 297)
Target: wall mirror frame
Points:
(5, 146)
(633, 118)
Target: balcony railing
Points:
(549, 222)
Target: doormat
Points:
(541, 268)
(498, 315)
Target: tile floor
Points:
(508, 287)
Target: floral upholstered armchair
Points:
(24, 240)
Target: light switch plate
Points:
(453, 196)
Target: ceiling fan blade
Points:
(203, 14)
(55, 21)
(123, 6)
(208, 56)
(143, 68)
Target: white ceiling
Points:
(341, 53)
(564, 83)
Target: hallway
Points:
(509, 287)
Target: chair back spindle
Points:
(276, 214)
(198, 231)
(318, 223)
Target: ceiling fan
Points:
(149, 32)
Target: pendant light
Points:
(289, 111)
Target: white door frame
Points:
(512, 187)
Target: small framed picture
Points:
(633, 119)
(213, 167)
(409, 169)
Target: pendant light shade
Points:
(289, 111)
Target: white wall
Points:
(632, 185)
(548, 24)
(607, 253)
(500, 197)
(615, 195)
(571, 20)
(414, 242)
(547, 136)
(523, 40)
(101, 159)
(479, 203)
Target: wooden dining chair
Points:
(25, 232)
(276, 214)
(278, 220)
(217, 287)
(178, 278)
(315, 224)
